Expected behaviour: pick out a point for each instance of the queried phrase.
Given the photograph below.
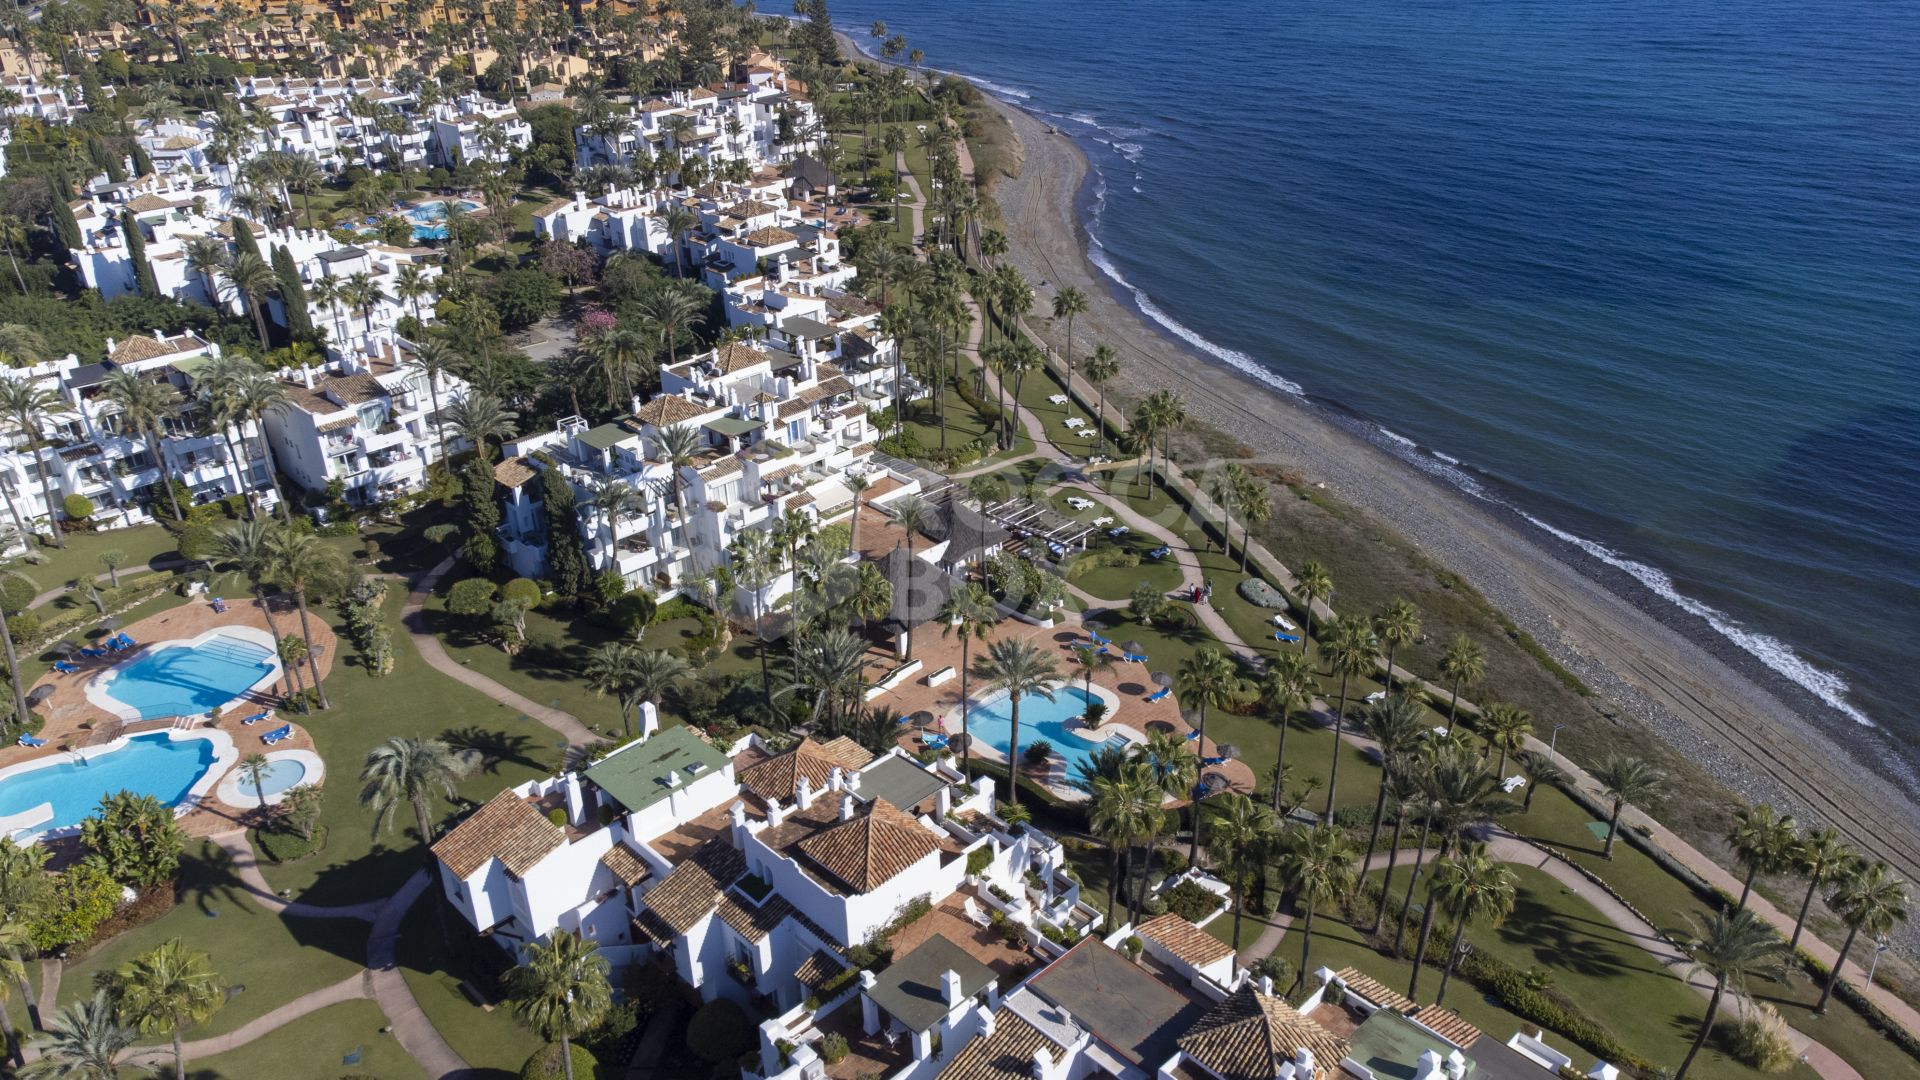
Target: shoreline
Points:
(1659, 664)
(1743, 723)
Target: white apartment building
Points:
(476, 129)
(742, 121)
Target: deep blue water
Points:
(1650, 270)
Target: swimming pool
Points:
(428, 220)
(185, 678)
(155, 764)
(991, 721)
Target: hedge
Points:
(116, 601)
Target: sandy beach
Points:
(1752, 729)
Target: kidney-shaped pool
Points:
(156, 763)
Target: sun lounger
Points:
(1095, 635)
(63, 666)
(1192, 735)
(974, 914)
(1074, 422)
(1158, 553)
(257, 717)
(1103, 520)
(1376, 697)
(93, 654)
(1282, 635)
(1058, 399)
(1118, 531)
(1160, 693)
(934, 742)
(1213, 761)
(1134, 657)
(279, 734)
(30, 741)
(219, 606)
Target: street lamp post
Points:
(1553, 744)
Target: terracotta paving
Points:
(868, 1055)
(949, 920)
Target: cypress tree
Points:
(293, 295)
(566, 559)
(142, 164)
(137, 252)
(243, 239)
(65, 227)
(482, 550)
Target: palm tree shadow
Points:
(208, 878)
(492, 747)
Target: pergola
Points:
(1035, 521)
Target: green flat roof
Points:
(636, 775)
(605, 436)
(898, 781)
(734, 426)
(911, 991)
(1390, 1044)
(191, 365)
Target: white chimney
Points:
(1266, 986)
(1303, 1059)
(804, 795)
(737, 824)
(837, 779)
(1042, 1064)
(1457, 1065)
(846, 808)
(950, 986)
(1428, 1067)
(853, 781)
(775, 812)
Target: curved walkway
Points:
(351, 988)
(413, 617)
(246, 867)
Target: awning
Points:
(734, 427)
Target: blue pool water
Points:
(182, 680)
(427, 221)
(150, 764)
(281, 775)
(991, 721)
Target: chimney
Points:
(837, 779)
(853, 780)
(986, 1026)
(1303, 1061)
(776, 813)
(1266, 986)
(1457, 1065)
(737, 824)
(803, 797)
(950, 987)
(1042, 1064)
(846, 808)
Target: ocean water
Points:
(1647, 271)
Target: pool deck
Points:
(74, 722)
(1124, 683)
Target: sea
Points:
(1645, 271)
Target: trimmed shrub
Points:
(545, 1064)
(720, 1032)
(522, 591)
(81, 899)
(78, 507)
(1173, 861)
(834, 1048)
(1191, 902)
(471, 597)
(1257, 592)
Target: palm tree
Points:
(679, 221)
(409, 771)
(1237, 837)
(1506, 727)
(167, 990)
(912, 514)
(1763, 842)
(1472, 887)
(1463, 664)
(1223, 487)
(410, 283)
(1091, 661)
(249, 277)
(858, 485)
(481, 418)
(246, 547)
(1406, 795)
(254, 769)
(755, 562)
(84, 1043)
(970, 613)
(1102, 367)
(255, 394)
(1209, 677)
(1820, 857)
(432, 359)
(560, 989)
(1731, 948)
(1353, 649)
(143, 405)
(680, 445)
(206, 256)
(609, 670)
(1165, 759)
(832, 663)
(304, 175)
(1397, 624)
(299, 561)
(1126, 810)
(654, 672)
(1457, 791)
(1540, 769)
(1626, 780)
(1318, 866)
(1286, 688)
(325, 292)
(1018, 667)
(1067, 303)
(1313, 583)
(27, 404)
(1871, 898)
(363, 291)
(1398, 729)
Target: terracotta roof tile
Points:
(1185, 940)
(870, 849)
(1007, 1054)
(1447, 1024)
(146, 347)
(666, 410)
(513, 472)
(1250, 1035)
(626, 865)
(692, 891)
(750, 922)
(1374, 990)
(817, 969)
(507, 828)
(778, 777)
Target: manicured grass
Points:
(339, 1040)
(493, 1042)
(264, 960)
(81, 557)
(964, 425)
(414, 702)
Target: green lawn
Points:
(493, 1042)
(264, 960)
(81, 557)
(964, 425)
(339, 1040)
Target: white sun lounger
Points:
(1058, 399)
(1104, 519)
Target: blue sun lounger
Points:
(1213, 761)
(30, 741)
(934, 742)
(1097, 639)
(1192, 735)
(1158, 553)
(63, 666)
(1281, 635)
(279, 734)
(125, 642)
(257, 717)
(1160, 693)
(1134, 657)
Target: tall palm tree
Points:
(1352, 648)
(560, 989)
(258, 394)
(754, 559)
(1626, 780)
(1237, 836)
(1224, 486)
(1396, 624)
(432, 360)
(1871, 898)
(1165, 759)
(246, 547)
(298, 561)
(832, 664)
(409, 771)
(482, 419)
(1020, 668)
(1821, 857)
(1506, 727)
(1764, 843)
(226, 412)
(1472, 887)
(679, 221)
(1102, 368)
(144, 405)
(618, 351)
(1318, 866)
(1125, 811)
(1398, 729)
(325, 292)
(1313, 583)
(248, 276)
(363, 291)
(654, 672)
(1069, 302)
(680, 445)
(1540, 769)
(83, 1043)
(410, 284)
(1733, 949)
(27, 404)
(912, 514)
(1090, 662)
(1458, 791)
(304, 175)
(207, 256)
(1463, 664)
(970, 613)
(858, 485)
(609, 670)
(168, 989)
(1208, 678)
(1286, 688)
(1406, 796)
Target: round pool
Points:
(286, 770)
(280, 776)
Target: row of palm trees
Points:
(161, 992)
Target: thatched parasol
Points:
(64, 649)
(1161, 678)
(40, 694)
(1134, 648)
(922, 720)
(1227, 750)
(109, 624)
